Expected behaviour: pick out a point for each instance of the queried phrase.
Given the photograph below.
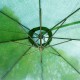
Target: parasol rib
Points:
(25, 44)
(66, 25)
(13, 40)
(19, 24)
(41, 67)
(61, 43)
(66, 38)
(22, 44)
(58, 28)
(40, 19)
(14, 20)
(66, 18)
(62, 22)
(55, 31)
(53, 49)
(67, 61)
(13, 31)
(2, 78)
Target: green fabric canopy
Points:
(39, 39)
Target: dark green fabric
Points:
(9, 29)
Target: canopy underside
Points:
(22, 60)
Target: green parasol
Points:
(39, 40)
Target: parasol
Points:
(39, 40)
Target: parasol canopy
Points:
(40, 40)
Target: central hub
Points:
(40, 36)
(35, 36)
